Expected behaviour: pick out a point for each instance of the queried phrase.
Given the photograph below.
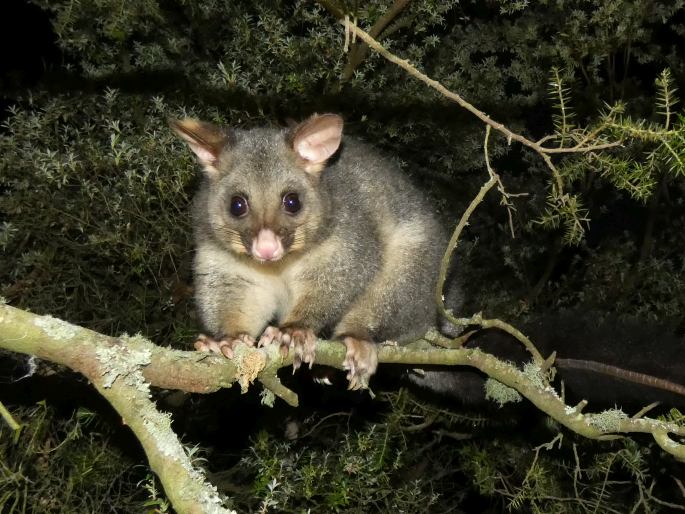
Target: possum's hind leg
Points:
(399, 302)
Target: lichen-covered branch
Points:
(121, 370)
(184, 484)
(115, 368)
(532, 384)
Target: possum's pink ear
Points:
(204, 139)
(316, 139)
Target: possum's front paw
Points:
(273, 335)
(223, 346)
(361, 361)
(301, 340)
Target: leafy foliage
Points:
(65, 465)
(417, 458)
(96, 202)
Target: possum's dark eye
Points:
(291, 203)
(239, 206)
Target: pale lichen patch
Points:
(608, 420)
(475, 353)
(211, 501)
(535, 375)
(272, 352)
(267, 397)
(248, 363)
(500, 393)
(158, 426)
(135, 339)
(120, 361)
(56, 328)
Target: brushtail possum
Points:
(300, 234)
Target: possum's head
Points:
(263, 190)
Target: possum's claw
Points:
(223, 346)
(361, 361)
(270, 335)
(301, 340)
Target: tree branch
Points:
(115, 368)
(358, 53)
(120, 370)
(511, 136)
(477, 319)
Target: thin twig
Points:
(451, 246)
(358, 53)
(273, 384)
(14, 426)
(454, 240)
(411, 69)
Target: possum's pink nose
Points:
(267, 246)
